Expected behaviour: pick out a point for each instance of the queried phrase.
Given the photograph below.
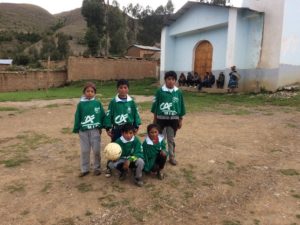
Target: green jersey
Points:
(132, 149)
(168, 102)
(89, 115)
(121, 111)
(151, 150)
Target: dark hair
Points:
(127, 127)
(151, 126)
(171, 74)
(89, 84)
(122, 82)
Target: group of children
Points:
(122, 121)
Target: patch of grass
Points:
(228, 182)
(52, 106)
(25, 212)
(230, 165)
(66, 221)
(290, 125)
(88, 213)
(189, 175)
(2, 109)
(256, 222)
(46, 188)
(105, 89)
(231, 222)
(289, 172)
(66, 130)
(138, 214)
(116, 187)
(16, 154)
(238, 112)
(15, 187)
(83, 187)
(296, 195)
(298, 216)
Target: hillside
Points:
(74, 25)
(24, 17)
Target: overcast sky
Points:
(57, 6)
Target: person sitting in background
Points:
(234, 77)
(190, 79)
(205, 82)
(221, 80)
(182, 80)
(211, 79)
(196, 79)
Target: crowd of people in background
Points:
(209, 79)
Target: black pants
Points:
(159, 163)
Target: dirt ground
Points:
(233, 169)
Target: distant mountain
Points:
(24, 18)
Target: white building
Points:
(261, 37)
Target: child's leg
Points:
(85, 151)
(161, 161)
(139, 163)
(170, 135)
(95, 142)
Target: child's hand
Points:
(180, 123)
(163, 154)
(126, 165)
(108, 132)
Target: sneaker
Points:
(123, 175)
(108, 173)
(173, 161)
(97, 172)
(82, 174)
(138, 182)
(160, 175)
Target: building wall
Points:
(31, 80)
(109, 69)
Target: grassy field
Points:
(194, 101)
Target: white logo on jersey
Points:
(88, 119)
(165, 106)
(120, 119)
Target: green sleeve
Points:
(155, 103)
(137, 118)
(77, 120)
(182, 106)
(102, 116)
(108, 116)
(163, 147)
(138, 149)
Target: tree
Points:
(63, 46)
(92, 40)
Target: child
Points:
(155, 153)
(89, 118)
(168, 109)
(121, 110)
(132, 155)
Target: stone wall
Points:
(80, 68)
(31, 80)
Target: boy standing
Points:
(88, 123)
(121, 110)
(131, 157)
(168, 110)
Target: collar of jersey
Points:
(125, 141)
(164, 88)
(150, 142)
(128, 99)
(84, 99)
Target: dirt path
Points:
(233, 169)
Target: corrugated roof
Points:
(189, 5)
(145, 47)
(6, 61)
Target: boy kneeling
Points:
(131, 157)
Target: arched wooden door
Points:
(203, 58)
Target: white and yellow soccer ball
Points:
(112, 151)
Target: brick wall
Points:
(31, 80)
(80, 68)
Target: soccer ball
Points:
(112, 151)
